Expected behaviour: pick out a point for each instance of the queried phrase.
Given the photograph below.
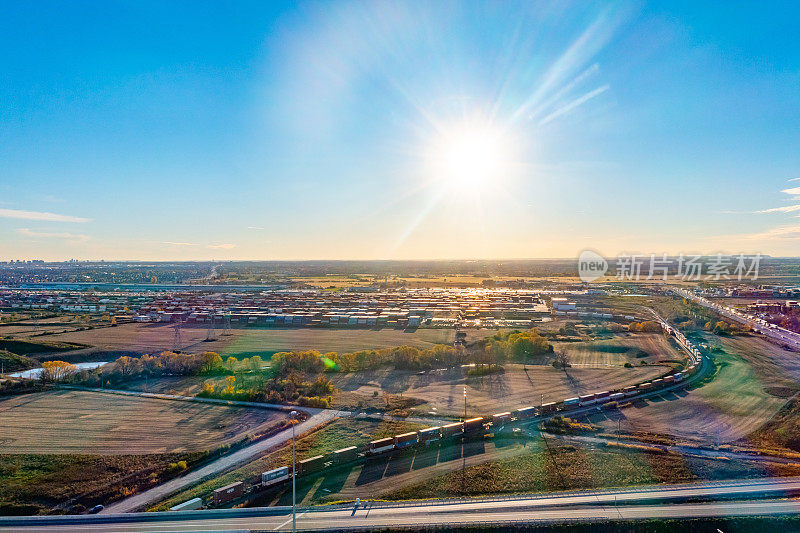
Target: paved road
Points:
(777, 334)
(735, 498)
(148, 497)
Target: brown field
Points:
(97, 423)
(155, 338)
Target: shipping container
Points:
(274, 476)
(310, 465)
(451, 430)
(190, 505)
(429, 435)
(587, 399)
(548, 408)
(381, 445)
(406, 439)
(501, 419)
(228, 493)
(473, 425)
(345, 455)
(525, 412)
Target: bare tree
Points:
(562, 360)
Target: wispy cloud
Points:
(784, 209)
(794, 179)
(49, 235)
(223, 246)
(255, 227)
(173, 243)
(795, 191)
(779, 233)
(572, 105)
(38, 215)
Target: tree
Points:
(562, 360)
(57, 370)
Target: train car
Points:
(405, 440)
(548, 408)
(669, 379)
(274, 476)
(602, 397)
(451, 430)
(617, 397)
(380, 446)
(310, 465)
(501, 419)
(228, 493)
(678, 377)
(629, 391)
(524, 413)
(473, 425)
(571, 403)
(644, 387)
(587, 399)
(345, 455)
(657, 383)
(429, 435)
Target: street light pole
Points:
(293, 415)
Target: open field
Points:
(338, 434)
(63, 422)
(737, 400)
(31, 484)
(155, 338)
(597, 366)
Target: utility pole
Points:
(293, 415)
(465, 403)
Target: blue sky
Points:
(266, 130)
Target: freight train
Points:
(473, 428)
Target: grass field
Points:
(33, 484)
(155, 338)
(738, 399)
(338, 434)
(64, 422)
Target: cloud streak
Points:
(222, 246)
(53, 235)
(39, 215)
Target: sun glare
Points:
(471, 158)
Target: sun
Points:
(470, 157)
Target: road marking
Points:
(290, 519)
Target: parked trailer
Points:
(310, 465)
(473, 425)
(345, 455)
(524, 413)
(587, 399)
(629, 391)
(405, 440)
(381, 445)
(428, 435)
(228, 493)
(189, 505)
(274, 476)
(501, 419)
(451, 430)
(548, 408)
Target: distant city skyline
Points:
(397, 130)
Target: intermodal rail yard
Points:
(399, 394)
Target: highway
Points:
(777, 334)
(733, 498)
